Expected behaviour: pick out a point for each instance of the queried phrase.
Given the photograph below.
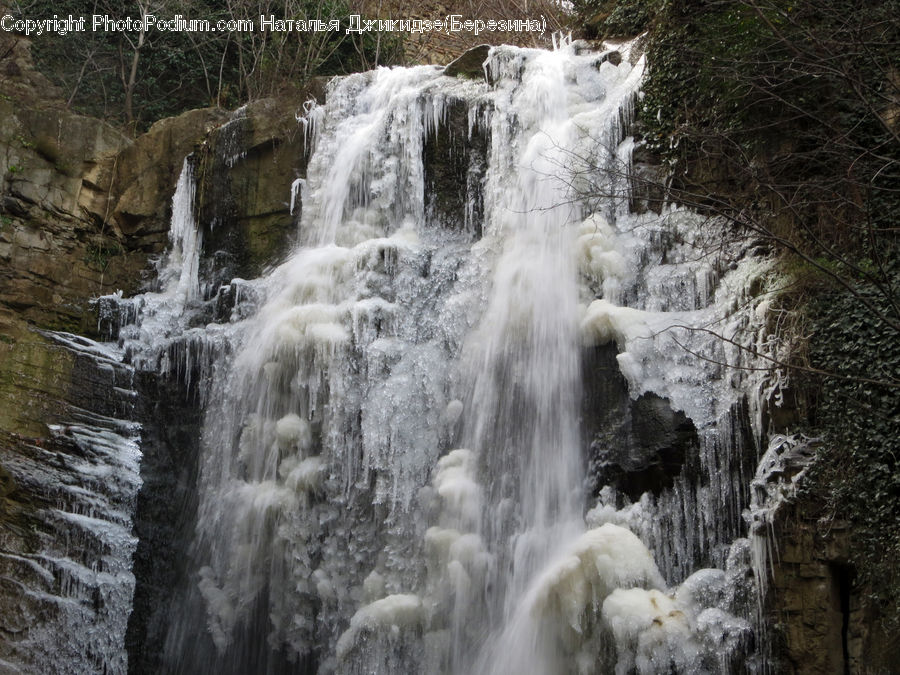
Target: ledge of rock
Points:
(470, 64)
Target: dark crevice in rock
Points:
(842, 576)
(165, 513)
(455, 166)
(635, 446)
(244, 176)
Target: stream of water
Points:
(395, 469)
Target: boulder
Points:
(636, 445)
(470, 64)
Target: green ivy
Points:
(858, 468)
(616, 18)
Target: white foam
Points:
(600, 561)
(652, 634)
(599, 253)
(304, 476)
(394, 612)
(604, 322)
(460, 493)
(293, 433)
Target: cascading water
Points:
(393, 473)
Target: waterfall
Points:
(179, 277)
(397, 472)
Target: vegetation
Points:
(784, 117)
(858, 474)
(97, 255)
(136, 77)
(615, 18)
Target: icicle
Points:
(296, 188)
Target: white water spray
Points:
(392, 477)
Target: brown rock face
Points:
(82, 208)
(141, 179)
(245, 172)
(822, 620)
(470, 64)
(55, 248)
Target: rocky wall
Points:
(821, 618)
(84, 210)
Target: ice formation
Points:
(392, 460)
(76, 576)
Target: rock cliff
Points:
(84, 211)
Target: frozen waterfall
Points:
(398, 472)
